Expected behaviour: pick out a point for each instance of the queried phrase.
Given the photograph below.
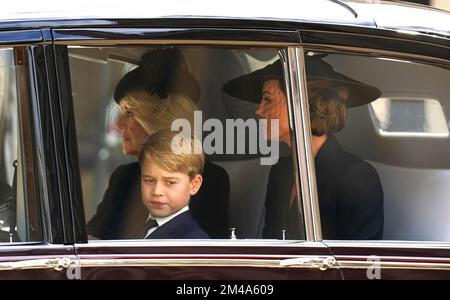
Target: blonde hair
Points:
(328, 112)
(154, 113)
(158, 149)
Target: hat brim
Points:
(359, 93)
(249, 87)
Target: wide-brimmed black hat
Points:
(161, 71)
(248, 87)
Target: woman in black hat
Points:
(350, 192)
(151, 96)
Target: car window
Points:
(249, 181)
(395, 116)
(18, 218)
(389, 161)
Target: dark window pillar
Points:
(426, 2)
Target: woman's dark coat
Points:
(350, 197)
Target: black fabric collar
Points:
(327, 154)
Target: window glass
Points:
(409, 117)
(15, 224)
(381, 134)
(127, 96)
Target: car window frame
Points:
(47, 253)
(383, 259)
(144, 36)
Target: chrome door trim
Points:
(321, 262)
(387, 244)
(221, 260)
(57, 264)
(305, 160)
(37, 255)
(392, 263)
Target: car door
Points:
(403, 135)
(35, 235)
(389, 260)
(96, 59)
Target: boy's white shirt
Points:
(162, 221)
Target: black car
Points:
(60, 143)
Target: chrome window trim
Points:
(302, 129)
(379, 53)
(387, 244)
(377, 35)
(30, 246)
(82, 42)
(200, 243)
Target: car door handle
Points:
(314, 262)
(57, 264)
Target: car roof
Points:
(375, 14)
(404, 17)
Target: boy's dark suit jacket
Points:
(350, 196)
(182, 226)
(121, 213)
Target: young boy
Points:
(168, 180)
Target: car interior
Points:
(404, 134)
(13, 220)
(212, 67)
(410, 152)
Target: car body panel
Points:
(38, 261)
(225, 260)
(420, 18)
(324, 11)
(392, 260)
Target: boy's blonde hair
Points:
(158, 149)
(155, 113)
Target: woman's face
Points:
(273, 106)
(132, 133)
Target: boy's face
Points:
(165, 193)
